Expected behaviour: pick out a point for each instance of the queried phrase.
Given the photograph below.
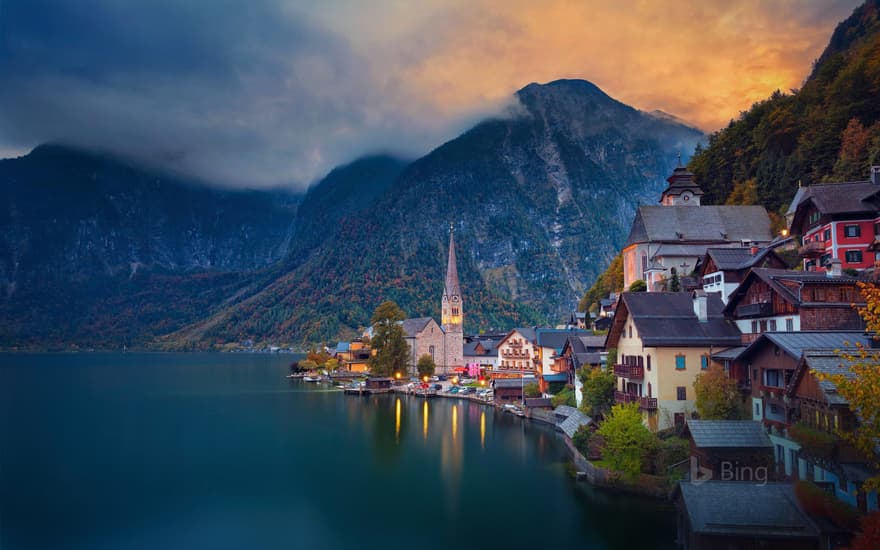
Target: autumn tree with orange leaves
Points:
(859, 384)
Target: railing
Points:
(629, 371)
(623, 397)
(761, 309)
(515, 354)
(648, 403)
(812, 249)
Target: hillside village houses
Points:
(767, 326)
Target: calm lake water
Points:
(222, 451)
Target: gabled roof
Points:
(777, 279)
(728, 433)
(832, 199)
(825, 362)
(795, 343)
(667, 319)
(706, 224)
(411, 327)
(733, 508)
(510, 382)
(680, 181)
(739, 258)
(569, 419)
(526, 332)
(556, 338)
(471, 351)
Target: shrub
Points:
(565, 397)
(532, 390)
(819, 503)
(581, 440)
(627, 440)
(815, 443)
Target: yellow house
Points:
(354, 356)
(663, 341)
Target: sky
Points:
(277, 92)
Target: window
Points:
(704, 362)
(644, 264)
(825, 259)
(852, 231)
(681, 393)
(757, 410)
(630, 331)
(826, 235)
(679, 362)
(789, 325)
(772, 324)
(431, 350)
(649, 363)
(772, 379)
(754, 327)
(854, 256)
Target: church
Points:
(443, 342)
(671, 237)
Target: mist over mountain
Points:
(99, 252)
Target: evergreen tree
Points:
(388, 340)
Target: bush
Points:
(581, 440)
(627, 440)
(667, 452)
(565, 397)
(819, 503)
(869, 535)
(532, 390)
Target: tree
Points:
(627, 440)
(598, 389)
(859, 383)
(308, 364)
(716, 394)
(674, 282)
(638, 286)
(331, 364)
(388, 340)
(869, 535)
(426, 366)
(532, 390)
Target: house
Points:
(482, 354)
(672, 237)
(727, 514)
(577, 353)
(733, 450)
(516, 352)
(378, 385)
(837, 221)
(769, 366)
(819, 409)
(353, 356)
(548, 349)
(509, 390)
(770, 300)
(663, 341)
(723, 269)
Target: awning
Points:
(559, 377)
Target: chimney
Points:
(753, 250)
(832, 269)
(875, 175)
(701, 306)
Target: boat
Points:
(311, 379)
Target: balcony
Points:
(812, 249)
(629, 371)
(761, 309)
(623, 397)
(515, 354)
(648, 403)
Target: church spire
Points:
(451, 308)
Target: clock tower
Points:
(452, 313)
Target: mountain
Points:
(541, 200)
(95, 250)
(829, 130)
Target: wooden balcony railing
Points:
(623, 397)
(812, 249)
(629, 371)
(761, 309)
(648, 403)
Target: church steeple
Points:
(682, 189)
(451, 309)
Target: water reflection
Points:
(425, 420)
(483, 430)
(397, 422)
(454, 421)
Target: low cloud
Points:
(267, 92)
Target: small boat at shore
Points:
(311, 379)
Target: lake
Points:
(196, 450)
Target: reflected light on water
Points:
(397, 421)
(425, 419)
(483, 430)
(454, 421)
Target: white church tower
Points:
(452, 313)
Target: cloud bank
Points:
(264, 92)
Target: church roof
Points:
(680, 181)
(452, 288)
(705, 224)
(411, 327)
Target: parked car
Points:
(438, 386)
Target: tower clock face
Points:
(686, 197)
(455, 298)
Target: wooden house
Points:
(733, 450)
(723, 269)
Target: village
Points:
(713, 307)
